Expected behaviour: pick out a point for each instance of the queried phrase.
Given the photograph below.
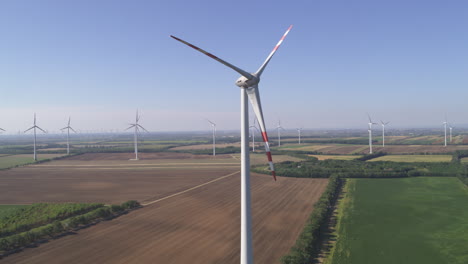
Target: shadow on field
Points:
(329, 235)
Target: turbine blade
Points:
(64, 128)
(143, 128)
(130, 127)
(28, 129)
(240, 71)
(210, 122)
(69, 118)
(72, 129)
(2, 129)
(260, 70)
(41, 129)
(254, 97)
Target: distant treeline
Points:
(314, 168)
(226, 150)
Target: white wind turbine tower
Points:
(383, 131)
(34, 129)
(68, 127)
(445, 131)
(135, 137)
(450, 129)
(253, 127)
(248, 82)
(278, 127)
(213, 127)
(370, 133)
(299, 130)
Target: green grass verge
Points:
(6, 209)
(407, 220)
(23, 159)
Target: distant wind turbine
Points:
(34, 129)
(278, 127)
(253, 127)
(383, 131)
(370, 133)
(68, 127)
(450, 129)
(135, 137)
(213, 127)
(445, 131)
(299, 131)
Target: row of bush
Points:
(24, 219)
(57, 228)
(226, 150)
(309, 242)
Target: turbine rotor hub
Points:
(244, 82)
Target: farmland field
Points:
(191, 213)
(405, 220)
(9, 161)
(414, 158)
(336, 157)
(5, 209)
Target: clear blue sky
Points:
(401, 61)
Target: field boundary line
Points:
(190, 189)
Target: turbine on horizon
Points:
(450, 130)
(445, 131)
(383, 131)
(299, 130)
(370, 133)
(213, 127)
(135, 137)
(68, 127)
(253, 127)
(248, 82)
(34, 129)
(278, 127)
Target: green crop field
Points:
(414, 158)
(405, 220)
(6, 209)
(22, 159)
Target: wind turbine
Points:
(278, 127)
(248, 82)
(299, 131)
(445, 131)
(383, 131)
(34, 129)
(370, 133)
(450, 129)
(253, 134)
(68, 135)
(135, 137)
(213, 127)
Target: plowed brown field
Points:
(193, 214)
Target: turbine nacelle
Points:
(244, 82)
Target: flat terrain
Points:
(192, 216)
(348, 149)
(111, 178)
(414, 158)
(7, 161)
(336, 157)
(407, 220)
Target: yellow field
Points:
(415, 158)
